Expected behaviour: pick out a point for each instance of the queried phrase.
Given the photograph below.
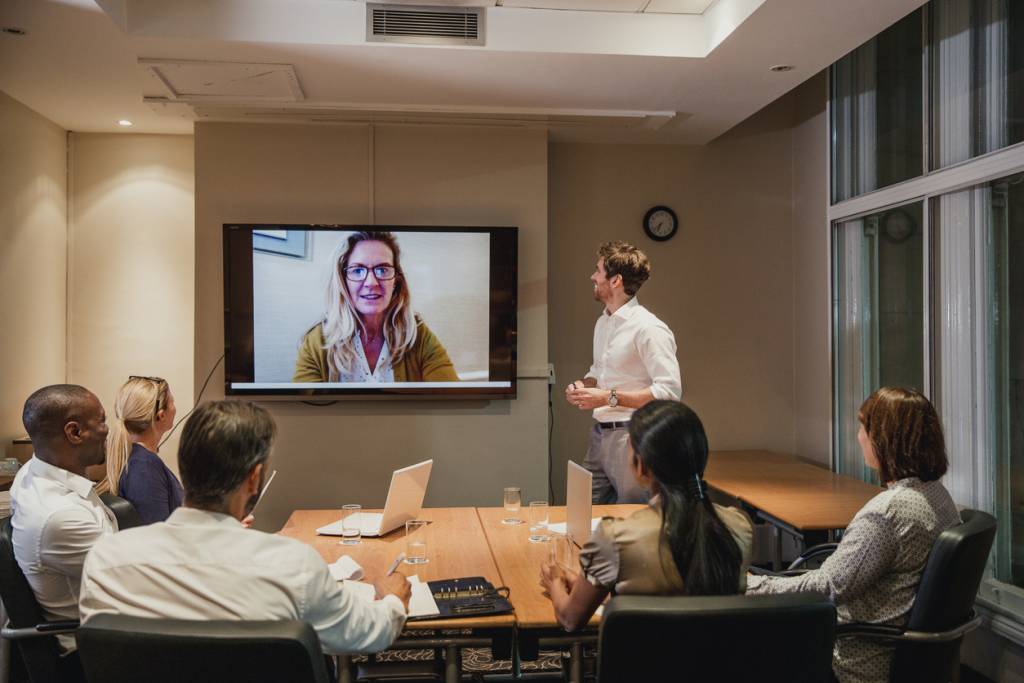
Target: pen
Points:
(265, 487)
(394, 565)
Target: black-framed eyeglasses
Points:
(383, 271)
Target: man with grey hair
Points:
(203, 564)
(57, 516)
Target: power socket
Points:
(551, 374)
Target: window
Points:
(877, 137)
(928, 253)
(977, 78)
(879, 311)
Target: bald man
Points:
(57, 515)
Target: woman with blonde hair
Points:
(369, 332)
(143, 412)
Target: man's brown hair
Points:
(906, 433)
(626, 260)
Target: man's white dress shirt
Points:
(633, 351)
(204, 565)
(57, 519)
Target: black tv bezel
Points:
(238, 316)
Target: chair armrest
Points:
(812, 552)
(49, 628)
(893, 634)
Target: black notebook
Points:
(469, 596)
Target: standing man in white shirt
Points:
(203, 564)
(57, 516)
(634, 363)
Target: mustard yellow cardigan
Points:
(426, 361)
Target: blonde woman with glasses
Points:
(143, 412)
(369, 332)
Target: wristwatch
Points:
(613, 400)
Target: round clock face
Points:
(660, 223)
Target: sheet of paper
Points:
(422, 603)
(345, 569)
(560, 527)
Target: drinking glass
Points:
(416, 541)
(351, 531)
(539, 521)
(561, 550)
(513, 500)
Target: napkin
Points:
(345, 569)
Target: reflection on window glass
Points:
(1007, 216)
(877, 111)
(879, 317)
(977, 77)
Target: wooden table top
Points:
(519, 561)
(456, 547)
(802, 495)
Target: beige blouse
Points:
(628, 557)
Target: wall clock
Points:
(660, 223)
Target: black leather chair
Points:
(720, 638)
(127, 516)
(26, 626)
(116, 649)
(928, 648)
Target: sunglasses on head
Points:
(160, 383)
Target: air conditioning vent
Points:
(424, 25)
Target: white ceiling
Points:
(669, 71)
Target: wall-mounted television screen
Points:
(340, 311)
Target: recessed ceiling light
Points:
(781, 68)
(13, 30)
(124, 122)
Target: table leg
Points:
(576, 662)
(452, 664)
(777, 560)
(344, 664)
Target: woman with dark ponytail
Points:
(680, 544)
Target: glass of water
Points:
(513, 501)
(560, 551)
(539, 521)
(416, 541)
(351, 531)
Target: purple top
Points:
(149, 485)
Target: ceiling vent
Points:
(424, 25)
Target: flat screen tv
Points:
(363, 311)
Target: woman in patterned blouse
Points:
(873, 575)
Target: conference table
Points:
(791, 494)
(804, 500)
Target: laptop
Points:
(404, 502)
(578, 506)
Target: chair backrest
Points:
(945, 597)
(40, 655)
(115, 648)
(720, 638)
(126, 514)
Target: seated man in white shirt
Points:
(202, 564)
(56, 515)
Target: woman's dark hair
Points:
(906, 433)
(669, 440)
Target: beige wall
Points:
(131, 265)
(33, 259)
(812, 368)
(330, 455)
(724, 284)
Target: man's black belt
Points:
(613, 425)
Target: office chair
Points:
(716, 638)
(928, 647)
(26, 626)
(119, 649)
(125, 513)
